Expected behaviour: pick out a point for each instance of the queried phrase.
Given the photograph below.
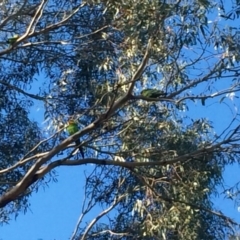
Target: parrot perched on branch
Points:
(152, 93)
(13, 39)
(72, 128)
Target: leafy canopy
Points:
(127, 72)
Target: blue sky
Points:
(54, 211)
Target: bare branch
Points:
(23, 92)
(106, 211)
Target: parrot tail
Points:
(80, 148)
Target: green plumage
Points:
(152, 93)
(72, 128)
(13, 39)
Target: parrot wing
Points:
(152, 93)
(13, 39)
(72, 128)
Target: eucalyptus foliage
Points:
(126, 73)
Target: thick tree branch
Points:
(129, 165)
(31, 176)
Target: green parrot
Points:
(73, 128)
(13, 39)
(152, 93)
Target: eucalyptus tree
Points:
(126, 72)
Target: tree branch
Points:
(23, 92)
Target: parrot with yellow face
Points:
(72, 128)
